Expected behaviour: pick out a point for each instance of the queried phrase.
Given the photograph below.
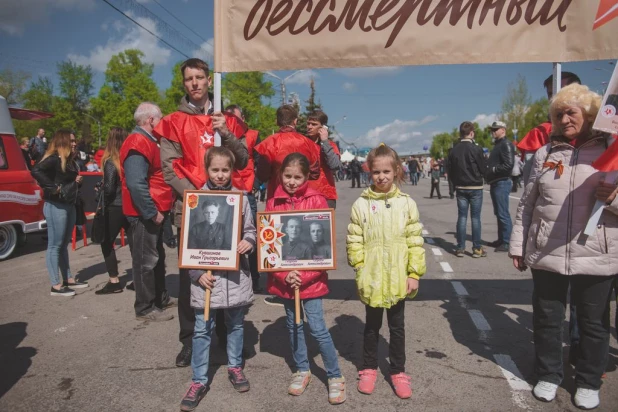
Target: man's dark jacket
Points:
(501, 161)
(466, 165)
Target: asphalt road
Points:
(469, 340)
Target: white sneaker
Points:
(545, 391)
(586, 398)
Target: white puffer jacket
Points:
(554, 211)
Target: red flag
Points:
(608, 161)
(536, 138)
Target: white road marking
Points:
(479, 320)
(446, 267)
(459, 288)
(425, 232)
(519, 387)
(511, 373)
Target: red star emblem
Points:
(608, 10)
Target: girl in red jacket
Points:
(293, 193)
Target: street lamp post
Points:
(282, 83)
(99, 123)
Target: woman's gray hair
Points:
(145, 111)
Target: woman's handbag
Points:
(98, 223)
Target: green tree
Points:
(536, 114)
(249, 90)
(515, 104)
(483, 137)
(175, 92)
(311, 104)
(442, 142)
(12, 85)
(40, 96)
(128, 82)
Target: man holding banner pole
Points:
(186, 135)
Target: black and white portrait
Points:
(296, 240)
(211, 222)
(295, 245)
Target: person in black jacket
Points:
(499, 169)
(112, 198)
(355, 171)
(58, 175)
(466, 167)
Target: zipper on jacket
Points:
(570, 210)
(605, 239)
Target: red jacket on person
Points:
(325, 183)
(276, 147)
(314, 283)
(160, 191)
(244, 179)
(196, 135)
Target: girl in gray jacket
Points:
(231, 291)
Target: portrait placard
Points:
(296, 240)
(210, 232)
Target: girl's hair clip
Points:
(382, 144)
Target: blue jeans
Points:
(500, 192)
(413, 178)
(312, 308)
(60, 219)
(473, 199)
(200, 359)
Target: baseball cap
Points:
(498, 125)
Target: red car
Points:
(21, 202)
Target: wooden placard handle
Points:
(297, 306)
(207, 302)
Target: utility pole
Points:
(282, 83)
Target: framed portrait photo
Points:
(302, 240)
(211, 223)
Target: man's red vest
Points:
(244, 179)
(276, 147)
(195, 135)
(325, 184)
(160, 191)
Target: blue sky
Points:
(401, 106)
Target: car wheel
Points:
(8, 240)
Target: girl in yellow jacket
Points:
(385, 248)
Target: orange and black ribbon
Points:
(559, 167)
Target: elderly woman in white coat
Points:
(548, 237)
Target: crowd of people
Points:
(146, 172)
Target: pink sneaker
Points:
(402, 384)
(367, 381)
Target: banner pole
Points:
(297, 306)
(557, 83)
(217, 103)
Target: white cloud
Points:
(303, 77)
(401, 135)
(14, 17)
(349, 87)
(134, 38)
(371, 71)
(206, 50)
(485, 119)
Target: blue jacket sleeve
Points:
(136, 173)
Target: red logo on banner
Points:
(608, 10)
